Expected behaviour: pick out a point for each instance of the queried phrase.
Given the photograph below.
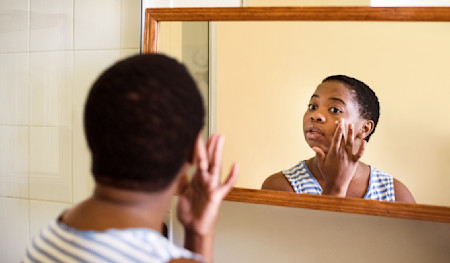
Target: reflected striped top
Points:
(59, 243)
(381, 185)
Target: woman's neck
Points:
(111, 207)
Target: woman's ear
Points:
(182, 181)
(193, 154)
(366, 129)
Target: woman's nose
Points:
(318, 117)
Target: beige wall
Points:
(263, 233)
(266, 73)
(267, 234)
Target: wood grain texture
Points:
(328, 203)
(150, 34)
(339, 204)
(302, 14)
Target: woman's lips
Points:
(314, 133)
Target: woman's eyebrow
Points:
(332, 98)
(337, 99)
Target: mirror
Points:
(265, 73)
(262, 98)
(188, 42)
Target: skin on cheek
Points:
(328, 97)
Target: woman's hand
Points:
(200, 199)
(338, 166)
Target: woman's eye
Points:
(312, 107)
(335, 110)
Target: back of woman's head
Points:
(142, 117)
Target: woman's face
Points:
(331, 102)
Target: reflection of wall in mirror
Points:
(188, 42)
(267, 71)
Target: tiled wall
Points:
(50, 52)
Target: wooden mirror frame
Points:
(319, 202)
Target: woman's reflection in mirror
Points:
(341, 117)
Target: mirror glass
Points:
(189, 43)
(263, 74)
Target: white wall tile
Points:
(128, 52)
(14, 228)
(14, 161)
(50, 155)
(88, 65)
(156, 3)
(14, 89)
(51, 25)
(130, 24)
(42, 212)
(51, 82)
(83, 182)
(14, 26)
(51, 163)
(97, 24)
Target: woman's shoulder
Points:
(402, 193)
(277, 182)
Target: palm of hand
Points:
(199, 201)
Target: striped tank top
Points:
(381, 185)
(58, 242)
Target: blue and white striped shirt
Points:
(58, 242)
(381, 185)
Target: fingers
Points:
(350, 138)
(338, 133)
(212, 142)
(229, 182)
(361, 150)
(346, 141)
(201, 156)
(209, 159)
(319, 153)
(350, 144)
(215, 162)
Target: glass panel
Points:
(188, 42)
(267, 72)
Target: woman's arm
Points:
(277, 182)
(402, 193)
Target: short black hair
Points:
(142, 117)
(369, 106)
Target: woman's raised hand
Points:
(338, 166)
